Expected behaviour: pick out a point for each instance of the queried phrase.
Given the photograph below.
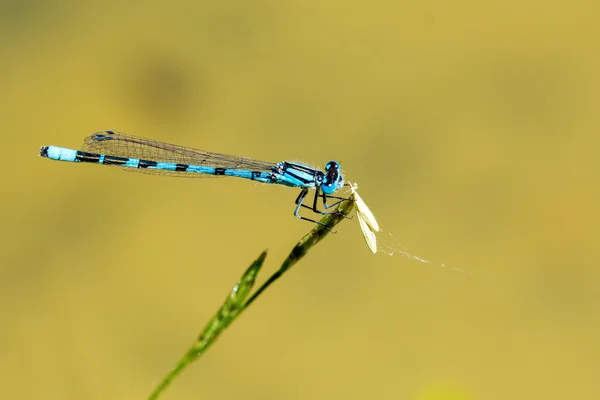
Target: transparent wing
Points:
(124, 145)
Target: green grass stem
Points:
(237, 301)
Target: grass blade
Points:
(232, 306)
(237, 301)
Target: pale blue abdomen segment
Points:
(59, 153)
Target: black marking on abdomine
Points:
(44, 151)
(220, 171)
(113, 160)
(87, 157)
(256, 174)
(147, 164)
(181, 167)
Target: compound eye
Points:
(332, 165)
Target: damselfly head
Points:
(333, 179)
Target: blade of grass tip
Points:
(227, 313)
(305, 244)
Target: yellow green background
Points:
(471, 127)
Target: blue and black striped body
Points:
(283, 173)
(148, 156)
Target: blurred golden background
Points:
(472, 129)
